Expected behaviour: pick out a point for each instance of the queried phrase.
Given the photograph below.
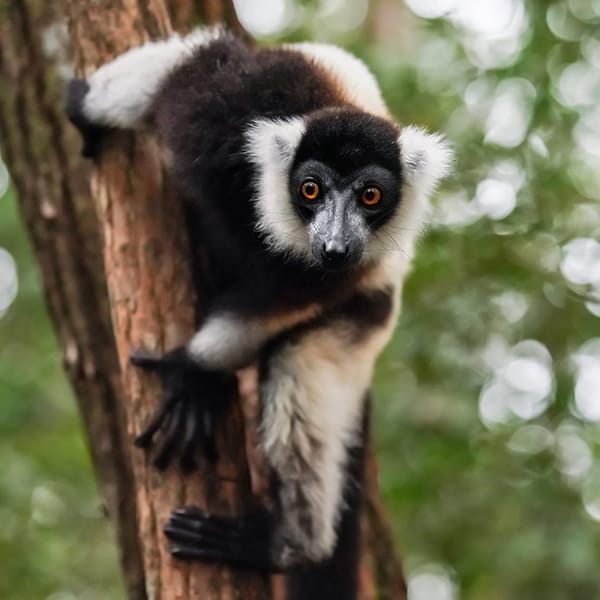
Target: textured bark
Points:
(131, 224)
(152, 300)
(40, 150)
(187, 13)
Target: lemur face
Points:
(342, 210)
(340, 186)
(345, 183)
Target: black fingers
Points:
(91, 133)
(175, 359)
(150, 362)
(144, 440)
(171, 438)
(193, 402)
(77, 90)
(241, 542)
(187, 460)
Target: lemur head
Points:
(340, 186)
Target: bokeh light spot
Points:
(4, 179)
(431, 582)
(263, 17)
(9, 282)
(581, 261)
(495, 198)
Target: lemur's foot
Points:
(91, 133)
(193, 401)
(241, 542)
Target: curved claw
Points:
(186, 461)
(171, 439)
(144, 439)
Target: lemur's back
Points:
(202, 114)
(206, 104)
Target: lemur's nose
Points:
(335, 251)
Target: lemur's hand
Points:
(193, 401)
(91, 133)
(242, 542)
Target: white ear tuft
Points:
(426, 158)
(274, 140)
(271, 146)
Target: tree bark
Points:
(118, 249)
(40, 150)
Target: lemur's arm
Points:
(312, 389)
(119, 95)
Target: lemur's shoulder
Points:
(350, 74)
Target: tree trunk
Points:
(124, 240)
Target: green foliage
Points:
(54, 541)
(488, 398)
(501, 505)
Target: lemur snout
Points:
(335, 254)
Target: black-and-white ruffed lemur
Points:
(309, 199)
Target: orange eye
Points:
(310, 189)
(371, 196)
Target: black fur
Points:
(359, 313)
(202, 114)
(348, 139)
(91, 133)
(245, 542)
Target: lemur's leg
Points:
(313, 401)
(337, 577)
(312, 391)
(247, 541)
(120, 93)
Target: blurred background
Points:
(488, 398)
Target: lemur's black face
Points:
(345, 184)
(342, 210)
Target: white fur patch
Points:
(271, 146)
(121, 92)
(226, 341)
(312, 408)
(353, 76)
(426, 159)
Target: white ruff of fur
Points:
(271, 145)
(122, 91)
(426, 159)
(350, 73)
